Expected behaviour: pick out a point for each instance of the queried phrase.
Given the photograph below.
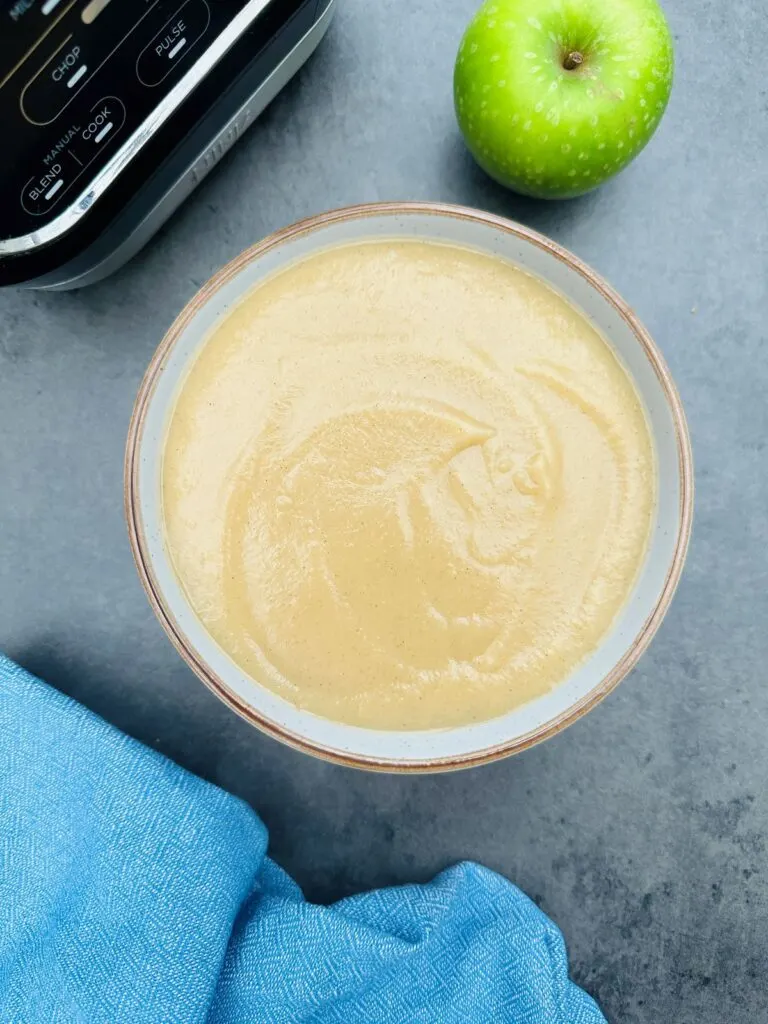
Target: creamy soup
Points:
(407, 486)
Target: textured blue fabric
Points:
(131, 891)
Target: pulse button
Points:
(173, 42)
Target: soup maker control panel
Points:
(86, 85)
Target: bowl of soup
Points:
(409, 486)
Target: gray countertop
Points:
(643, 829)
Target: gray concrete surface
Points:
(643, 829)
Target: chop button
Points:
(53, 86)
(173, 42)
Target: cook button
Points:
(173, 42)
(104, 121)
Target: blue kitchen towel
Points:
(131, 891)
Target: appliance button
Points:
(44, 190)
(173, 42)
(99, 127)
(57, 82)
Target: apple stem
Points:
(573, 60)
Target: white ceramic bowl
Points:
(445, 748)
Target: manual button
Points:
(75, 150)
(172, 43)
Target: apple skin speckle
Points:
(592, 120)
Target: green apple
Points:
(555, 96)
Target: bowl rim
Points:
(140, 548)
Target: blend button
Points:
(43, 191)
(172, 43)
